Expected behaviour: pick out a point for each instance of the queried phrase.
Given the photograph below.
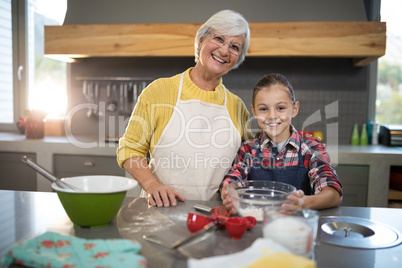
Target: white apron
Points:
(196, 149)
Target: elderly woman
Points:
(190, 124)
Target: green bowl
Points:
(99, 201)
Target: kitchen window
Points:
(28, 80)
(389, 82)
(6, 59)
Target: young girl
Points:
(279, 153)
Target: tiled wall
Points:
(333, 93)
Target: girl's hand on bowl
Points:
(297, 201)
(226, 200)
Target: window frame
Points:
(20, 62)
(373, 8)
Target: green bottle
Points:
(363, 135)
(355, 140)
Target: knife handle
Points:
(202, 208)
(207, 228)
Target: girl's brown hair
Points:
(271, 80)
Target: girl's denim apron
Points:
(294, 175)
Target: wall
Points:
(320, 83)
(188, 11)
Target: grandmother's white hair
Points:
(226, 22)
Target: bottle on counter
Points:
(355, 140)
(370, 131)
(363, 135)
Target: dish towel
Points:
(55, 250)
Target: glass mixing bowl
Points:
(250, 197)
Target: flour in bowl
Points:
(257, 213)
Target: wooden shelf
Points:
(394, 194)
(364, 42)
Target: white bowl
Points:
(98, 184)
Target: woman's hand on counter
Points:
(158, 194)
(162, 195)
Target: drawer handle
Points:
(89, 164)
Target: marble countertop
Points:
(135, 219)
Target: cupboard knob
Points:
(89, 164)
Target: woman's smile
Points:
(220, 60)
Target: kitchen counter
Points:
(378, 157)
(84, 144)
(69, 145)
(26, 214)
(47, 147)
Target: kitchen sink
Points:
(357, 233)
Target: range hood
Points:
(363, 41)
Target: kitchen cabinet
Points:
(77, 165)
(395, 184)
(395, 195)
(354, 179)
(362, 41)
(15, 175)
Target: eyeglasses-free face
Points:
(219, 40)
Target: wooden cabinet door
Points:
(15, 175)
(354, 179)
(79, 165)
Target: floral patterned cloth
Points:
(54, 250)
